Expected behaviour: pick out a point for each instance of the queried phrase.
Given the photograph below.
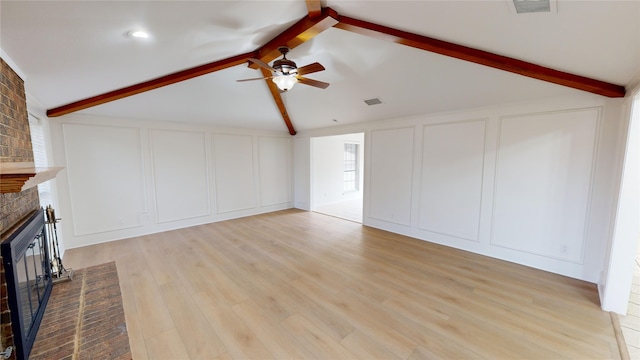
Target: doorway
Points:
(337, 164)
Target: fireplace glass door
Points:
(28, 274)
(31, 281)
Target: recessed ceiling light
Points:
(138, 34)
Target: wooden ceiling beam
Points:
(480, 57)
(298, 33)
(318, 20)
(151, 84)
(314, 7)
(275, 93)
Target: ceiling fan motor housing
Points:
(284, 65)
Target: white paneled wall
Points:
(104, 169)
(180, 178)
(530, 183)
(543, 180)
(235, 169)
(126, 177)
(275, 170)
(451, 184)
(391, 175)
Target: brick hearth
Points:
(84, 318)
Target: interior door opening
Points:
(337, 164)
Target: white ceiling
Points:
(71, 50)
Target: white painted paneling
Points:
(543, 180)
(105, 174)
(180, 175)
(391, 175)
(275, 170)
(451, 185)
(234, 173)
(302, 173)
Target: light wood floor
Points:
(631, 322)
(294, 285)
(348, 210)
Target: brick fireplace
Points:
(15, 146)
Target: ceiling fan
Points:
(286, 74)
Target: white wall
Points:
(302, 172)
(530, 183)
(125, 177)
(615, 286)
(389, 175)
(451, 179)
(327, 164)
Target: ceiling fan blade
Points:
(311, 82)
(262, 63)
(262, 78)
(311, 68)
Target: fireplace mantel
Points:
(19, 176)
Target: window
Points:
(38, 141)
(350, 167)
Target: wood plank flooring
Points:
(302, 285)
(631, 322)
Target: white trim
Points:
(484, 122)
(592, 171)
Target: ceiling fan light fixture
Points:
(285, 82)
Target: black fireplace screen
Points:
(29, 283)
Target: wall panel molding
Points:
(452, 178)
(234, 174)
(391, 175)
(107, 158)
(275, 173)
(180, 175)
(542, 192)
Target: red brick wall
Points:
(15, 146)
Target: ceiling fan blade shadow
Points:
(262, 64)
(311, 68)
(261, 78)
(311, 82)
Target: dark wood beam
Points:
(480, 57)
(275, 93)
(314, 7)
(300, 32)
(151, 84)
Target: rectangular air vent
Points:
(532, 6)
(374, 101)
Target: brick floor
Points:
(85, 318)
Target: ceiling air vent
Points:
(374, 101)
(532, 6)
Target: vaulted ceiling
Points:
(417, 57)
